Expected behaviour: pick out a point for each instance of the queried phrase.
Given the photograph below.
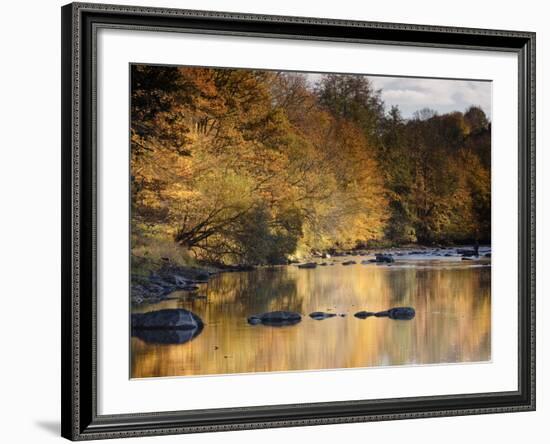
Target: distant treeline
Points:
(246, 166)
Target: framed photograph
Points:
(283, 221)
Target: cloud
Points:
(441, 95)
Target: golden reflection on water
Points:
(452, 323)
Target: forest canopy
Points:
(237, 166)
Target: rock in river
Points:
(363, 314)
(388, 258)
(168, 326)
(349, 263)
(399, 313)
(319, 315)
(308, 265)
(169, 318)
(276, 318)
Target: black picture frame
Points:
(80, 420)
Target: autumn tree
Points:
(255, 167)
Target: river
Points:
(452, 299)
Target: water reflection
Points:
(452, 323)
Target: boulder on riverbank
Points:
(319, 315)
(276, 318)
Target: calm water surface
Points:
(452, 299)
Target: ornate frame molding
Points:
(79, 395)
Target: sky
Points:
(442, 95)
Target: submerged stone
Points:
(276, 318)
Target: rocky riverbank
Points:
(395, 255)
(166, 278)
(156, 280)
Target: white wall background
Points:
(30, 220)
